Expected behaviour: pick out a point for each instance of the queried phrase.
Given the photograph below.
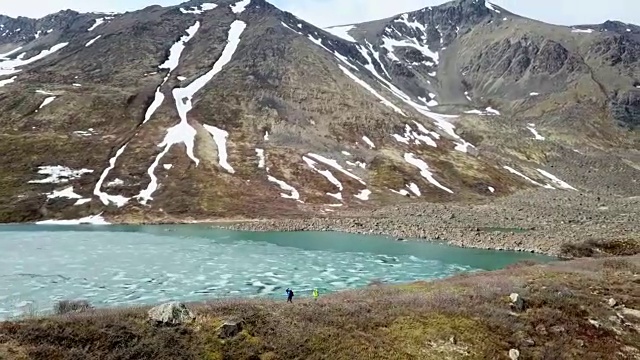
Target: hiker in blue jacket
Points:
(290, 295)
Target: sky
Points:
(339, 12)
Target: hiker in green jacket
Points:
(315, 293)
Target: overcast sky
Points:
(338, 12)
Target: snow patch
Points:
(402, 192)
(584, 31)
(92, 41)
(8, 67)
(97, 23)
(7, 81)
(492, 189)
(414, 189)
(240, 6)
(491, 7)
(326, 173)
(203, 7)
(167, 166)
(516, 172)
(342, 32)
(115, 182)
(261, 158)
(220, 137)
(334, 164)
(58, 174)
(556, 180)
(46, 102)
(176, 49)
(535, 133)
(493, 111)
(266, 136)
(286, 187)
(76, 85)
(157, 102)
(534, 94)
(424, 171)
(183, 132)
(44, 92)
(369, 142)
(363, 194)
(106, 199)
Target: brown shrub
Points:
(71, 306)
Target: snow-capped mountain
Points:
(221, 109)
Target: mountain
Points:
(236, 109)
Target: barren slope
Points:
(232, 109)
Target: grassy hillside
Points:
(568, 315)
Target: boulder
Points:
(230, 328)
(514, 354)
(612, 302)
(517, 302)
(171, 313)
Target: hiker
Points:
(315, 293)
(290, 295)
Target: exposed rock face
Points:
(172, 313)
(517, 302)
(195, 111)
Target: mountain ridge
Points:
(401, 114)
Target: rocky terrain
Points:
(532, 221)
(434, 122)
(582, 309)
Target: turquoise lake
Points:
(132, 265)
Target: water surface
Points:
(127, 265)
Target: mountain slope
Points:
(236, 109)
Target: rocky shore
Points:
(538, 221)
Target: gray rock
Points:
(514, 354)
(612, 302)
(172, 313)
(517, 301)
(230, 328)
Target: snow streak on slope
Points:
(98, 22)
(46, 102)
(556, 180)
(327, 174)
(220, 138)
(369, 142)
(342, 32)
(424, 171)
(532, 128)
(286, 187)
(92, 41)
(491, 7)
(419, 44)
(176, 50)
(334, 164)
(7, 81)
(383, 100)
(106, 199)
(8, 67)
(171, 63)
(183, 132)
(441, 120)
(514, 171)
(240, 6)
